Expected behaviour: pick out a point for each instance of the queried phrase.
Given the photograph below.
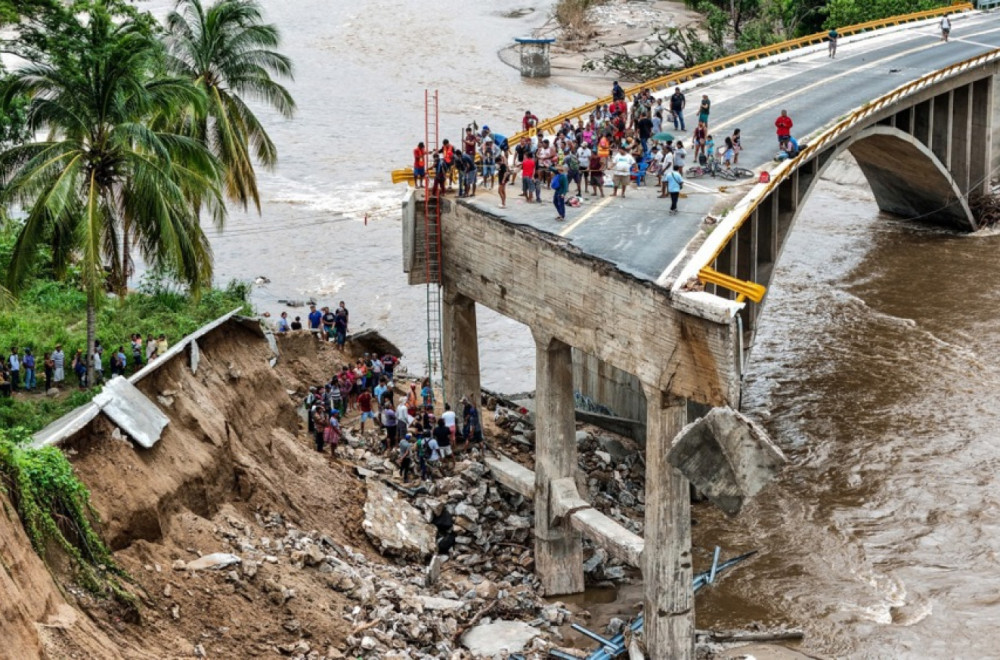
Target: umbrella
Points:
(663, 137)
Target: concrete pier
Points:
(668, 609)
(558, 548)
(461, 346)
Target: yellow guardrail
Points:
(754, 291)
(678, 77)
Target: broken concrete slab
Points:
(490, 639)
(395, 526)
(195, 355)
(727, 457)
(512, 475)
(215, 561)
(132, 411)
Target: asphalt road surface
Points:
(638, 235)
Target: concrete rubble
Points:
(727, 457)
(459, 582)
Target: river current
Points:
(875, 366)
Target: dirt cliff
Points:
(233, 457)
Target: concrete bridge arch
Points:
(906, 177)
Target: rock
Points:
(613, 446)
(517, 522)
(175, 612)
(369, 643)
(199, 651)
(292, 625)
(614, 572)
(167, 590)
(467, 511)
(487, 590)
(179, 565)
(582, 436)
(249, 569)
(474, 472)
(603, 456)
(214, 561)
(596, 559)
(439, 604)
(434, 570)
(314, 555)
(394, 525)
(52, 391)
(499, 637)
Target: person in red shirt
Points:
(784, 126)
(419, 166)
(365, 406)
(529, 121)
(448, 154)
(470, 142)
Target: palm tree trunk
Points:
(122, 284)
(91, 341)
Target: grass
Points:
(50, 311)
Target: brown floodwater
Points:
(876, 365)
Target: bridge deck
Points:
(639, 236)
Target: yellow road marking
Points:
(583, 218)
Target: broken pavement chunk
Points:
(727, 457)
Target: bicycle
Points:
(742, 173)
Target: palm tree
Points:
(229, 53)
(102, 168)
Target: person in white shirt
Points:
(449, 420)
(621, 168)
(679, 156)
(403, 415)
(945, 27)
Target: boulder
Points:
(395, 526)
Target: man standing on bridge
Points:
(945, 27)
(832, 37)
(704, 109)
(677, 103)
(784, 126)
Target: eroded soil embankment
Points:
(233, 451)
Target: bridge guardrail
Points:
(678, 77)
(713, 248)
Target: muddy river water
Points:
(876, 366)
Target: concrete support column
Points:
(666, 559)
(941, 128)
(961, 132)
(982, 136)
(558, 549)
(461, 346)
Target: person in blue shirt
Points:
(674, 182)
(315, 316)
(560, 186)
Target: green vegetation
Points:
(572, 18)
(54, 507)
(733, 26)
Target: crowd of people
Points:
(621, 143)
(24, 370)
(421, 443)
